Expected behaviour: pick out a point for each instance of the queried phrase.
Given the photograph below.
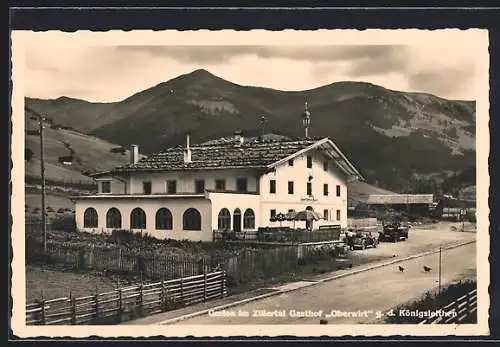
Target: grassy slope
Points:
(90, 153)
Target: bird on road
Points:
(427, 269)
(401, 269)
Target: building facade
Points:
(237, 184)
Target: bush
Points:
(64, 223)
(122, 236)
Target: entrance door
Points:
(237, 220)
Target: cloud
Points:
(445, 81)
(393, 60)
(224, 54)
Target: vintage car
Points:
(361, 239)
(394, 231)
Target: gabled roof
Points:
(251, 154)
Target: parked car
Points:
(394, 231)
(361, 239)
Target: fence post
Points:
(42, 305)
(120, 305)
(96, 298)
(223, 278)
(204, 285)
(73, 309)
(467, 305)
(182, 285)
(163, 298)
(141, 300)
(120, 262)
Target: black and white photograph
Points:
(299, 183)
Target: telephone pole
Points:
(439, 291)
(42, 174)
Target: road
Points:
(374, 290)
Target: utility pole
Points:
(439, 291)
(42, 174)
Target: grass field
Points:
(59, 282)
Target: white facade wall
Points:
(150, 207)
(281, 201)
(232, 202)
(186, 180)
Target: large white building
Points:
(238, 184)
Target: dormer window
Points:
(146, 187)
(106, 187)
(200, 186)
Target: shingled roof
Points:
(251, 154)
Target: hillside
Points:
(391, 136)
(88, 153)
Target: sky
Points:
(107, 73)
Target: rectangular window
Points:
(273, 214)
(172, 187)
(338, 190)
(242, 185)
(309, 162)
(290, 162)
(338, 214)
(106, 187)
(325, 214)
(220, 184)
(309, 188)
(325, 166)
(199, 186)
(290, 187)
(272, 186)
(146, 187)
(325, 189)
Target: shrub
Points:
(64, 223)
(122, 236)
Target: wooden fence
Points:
(251, 263)
(128, 303)
(279, 234)
(118, 260)
(462, 310)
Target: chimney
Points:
(262, 121)
(238, 135)
(187, 151)
(134, 154)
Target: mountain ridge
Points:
(378, 128)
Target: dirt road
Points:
(360, 296)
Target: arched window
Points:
(249, 219)
(309, 208)
(137, 218)
(224, 221)
(113, 218)
(90, 219)
(164, 219)
(191, 220)
(237, 220)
